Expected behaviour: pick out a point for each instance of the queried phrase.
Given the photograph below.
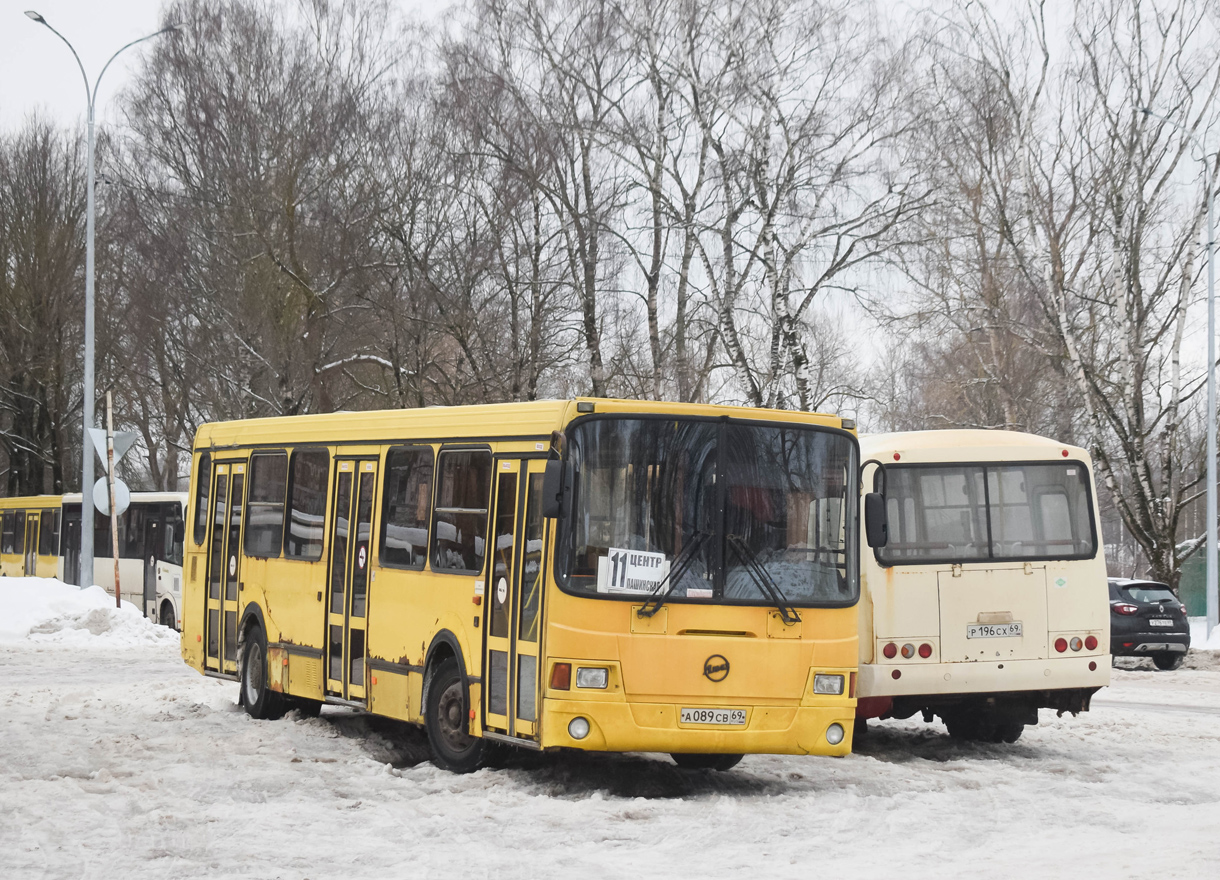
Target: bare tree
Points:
(41, 298)
(1083, 193)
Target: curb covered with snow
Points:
(45, 610)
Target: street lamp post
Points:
(1210, 581)
(86, 509)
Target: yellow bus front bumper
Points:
(656, 727)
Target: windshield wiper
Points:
(679, 566)
(763, 578)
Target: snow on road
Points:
(120, 762)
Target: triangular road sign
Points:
(123, 441)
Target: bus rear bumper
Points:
(655, 727)
(938, 679)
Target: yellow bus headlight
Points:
(592, 677)
(828, 684)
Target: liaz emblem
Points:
(716, 668)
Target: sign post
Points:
(110, 494)
(114, 508)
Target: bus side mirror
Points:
(876, 524)
(556, 482)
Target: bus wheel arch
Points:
(168, 615)
(444, 646)
(251, 618)
(256, 695)
(446, 707)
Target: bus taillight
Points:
(1061, 644)
(925, 650)
(890, 651)
(1091, 643)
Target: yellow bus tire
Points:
(446, 719)
(260, 701)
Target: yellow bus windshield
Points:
(740, 512)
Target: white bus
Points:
(983, 584)
(150, 552)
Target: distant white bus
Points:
(983, 595)
(150, 552)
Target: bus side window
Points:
(19, 532)
(308, 475)
(48, 535)
(6, 533)
(131, 534)
(102, 547)
(175, 531)
(265, 504)
(407, 502)
(203, 484)
(459, 533)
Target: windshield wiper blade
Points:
(681, 562)
(763, 578)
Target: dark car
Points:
(1147, 620)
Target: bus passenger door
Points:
(153, 541)
(348, 577)
(514, 601)
(224, 566)
(70, 545)
(31, 543)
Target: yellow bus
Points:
(984, 594)
(29, 536)
(588, 574)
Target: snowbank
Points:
(1198, 635)
(47, 610)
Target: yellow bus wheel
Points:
(447, 720)
(260, 701)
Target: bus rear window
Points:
(203, 483)
(966, 513)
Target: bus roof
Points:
(504, 421)
(21, 501)
(966, 444)
(136, 497)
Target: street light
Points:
(86, 508)
(1209, 581)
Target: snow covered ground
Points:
(117, 761)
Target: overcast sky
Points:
(38, 73)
